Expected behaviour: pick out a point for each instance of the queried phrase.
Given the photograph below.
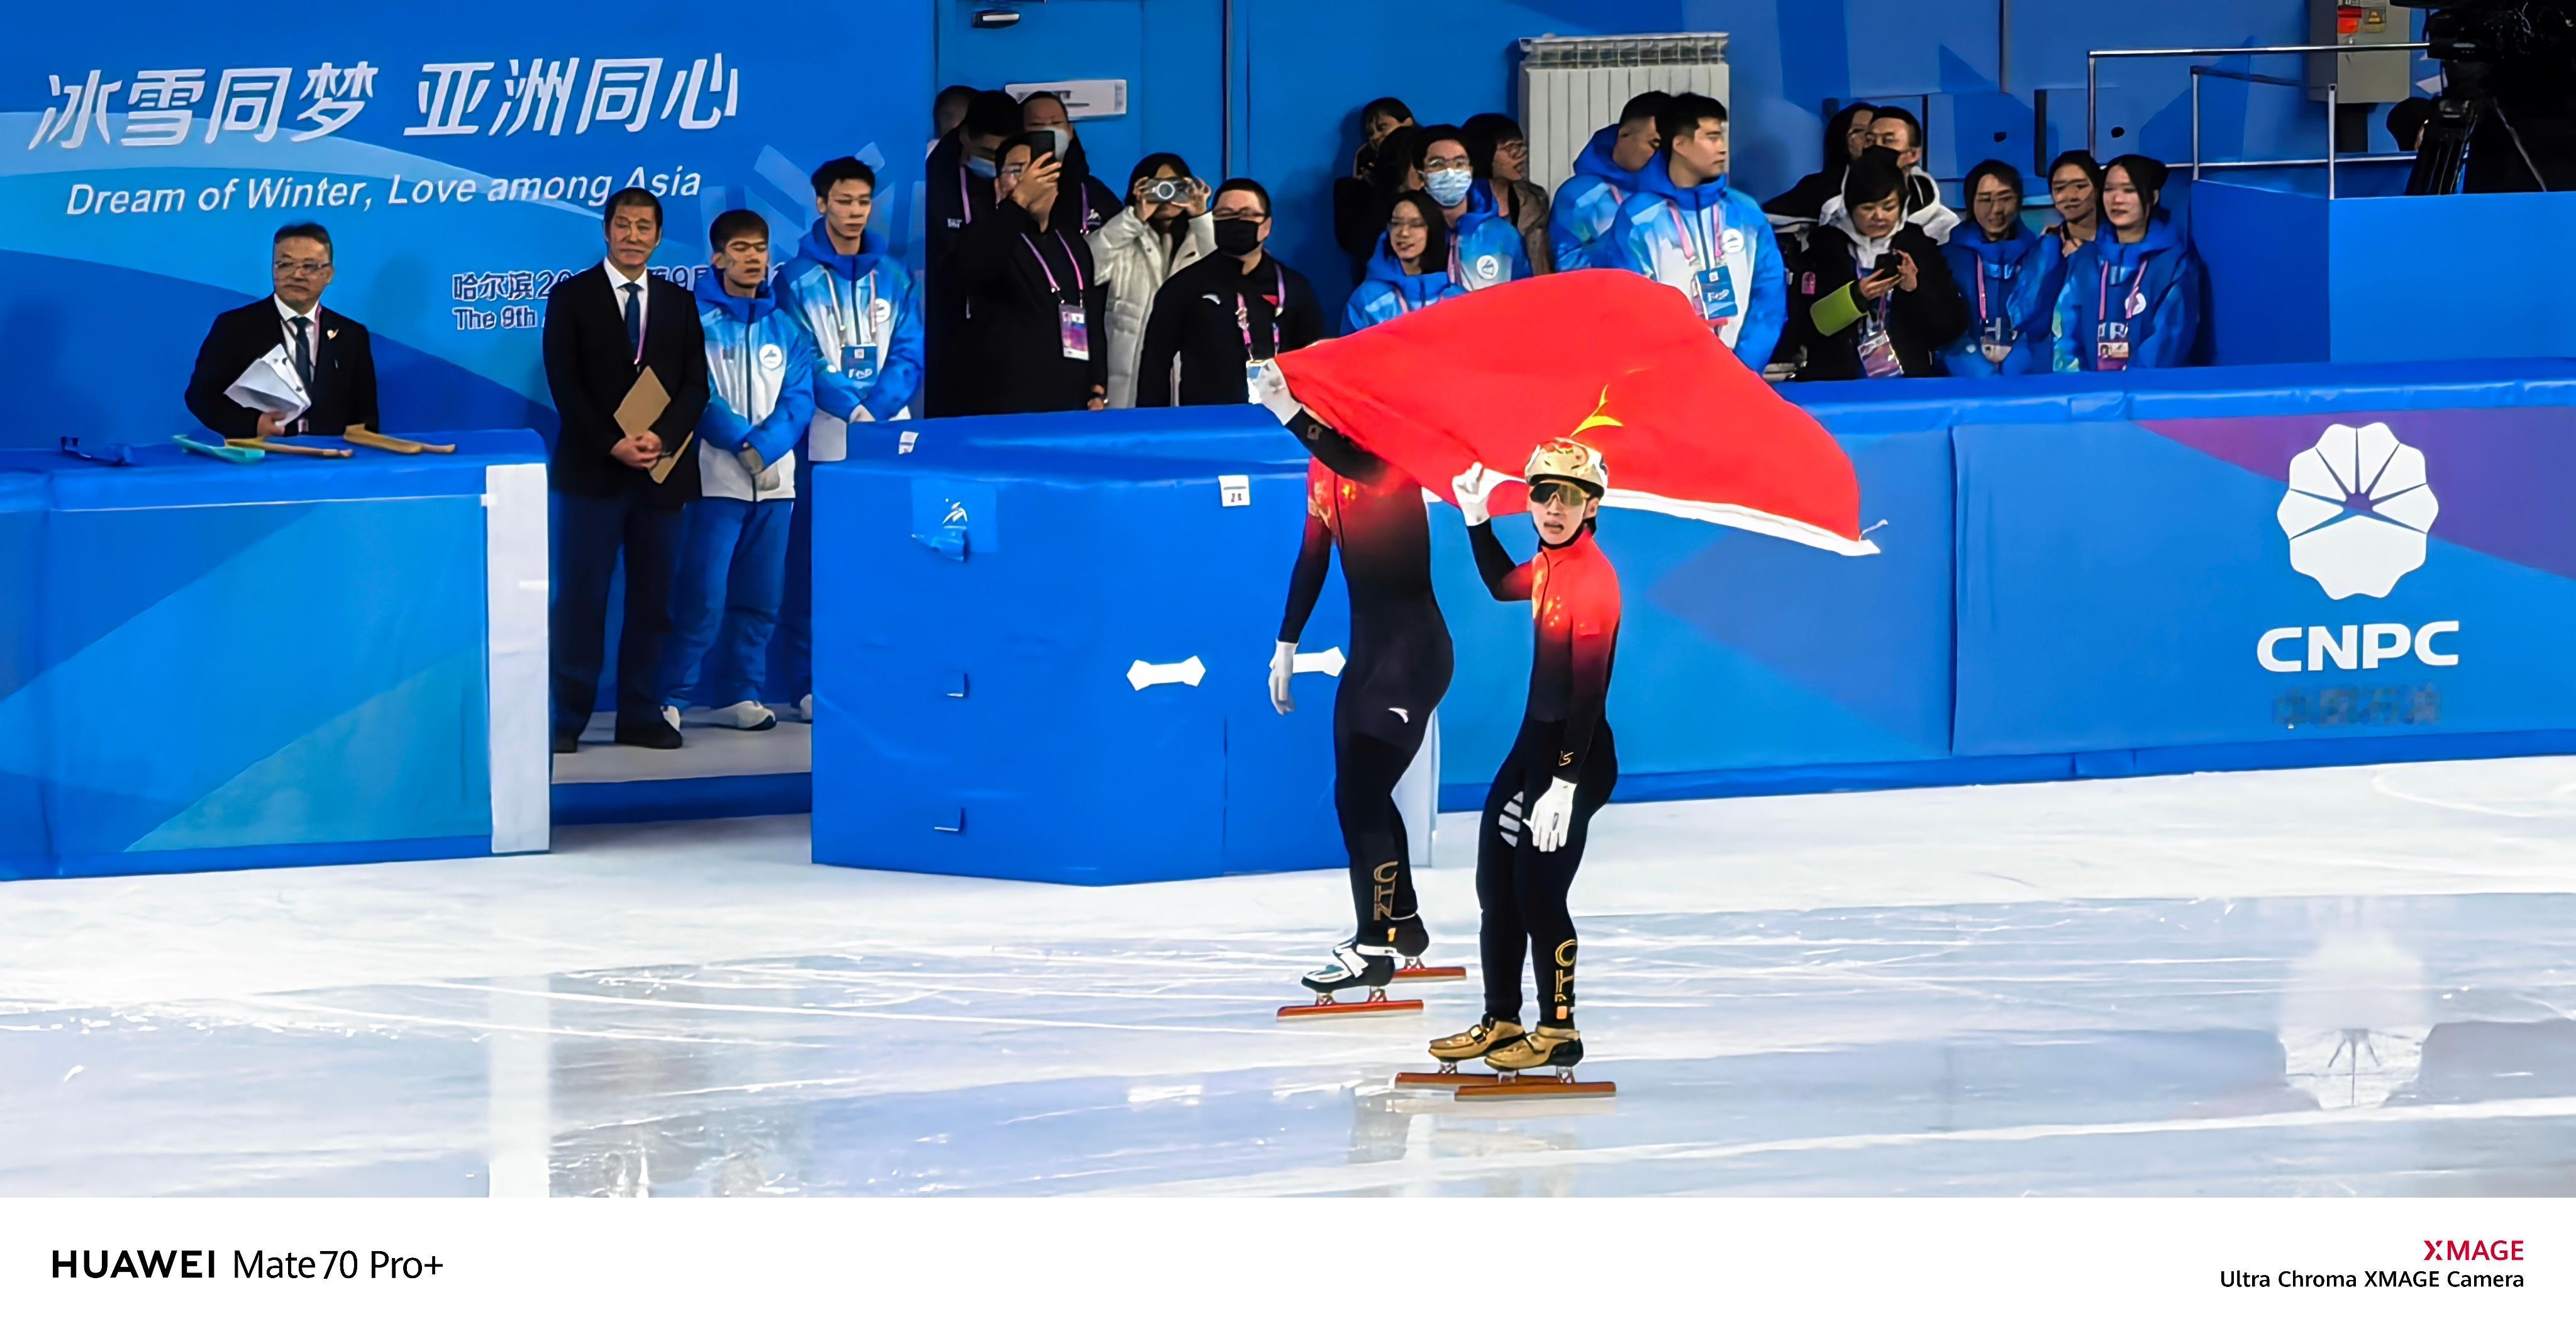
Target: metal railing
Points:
(2092, 99)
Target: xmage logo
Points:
(2358, 511)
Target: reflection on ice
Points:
(2124, 988)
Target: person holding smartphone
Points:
(1039, 308)
(1164, 228)
(1871, 297)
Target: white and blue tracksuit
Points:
(1389, 291)
(1712, 243)
(863, 315)
(733, 540)
(2143, 299)
(1484, 249)
(1587, 205)
(2010, 289)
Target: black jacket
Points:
(1015, 280)
(943, 306)
(589, 368)
(1919, 322)
(344, 375)
(1194, 321)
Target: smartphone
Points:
(1887, 265)
(1055, 137)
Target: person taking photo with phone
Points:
(1872, 297)
(1034, 341)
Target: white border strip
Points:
(1738, 516)
(517, 670)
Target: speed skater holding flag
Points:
(1450, 399)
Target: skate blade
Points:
(1386, 1007)
(1538, 1088)
(1444, 1079)
(1426, 974)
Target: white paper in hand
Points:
(270, 384)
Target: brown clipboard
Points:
(644, 404)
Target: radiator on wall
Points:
(1572, 86)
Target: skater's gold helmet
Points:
(1566, 460)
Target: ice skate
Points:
(1523, 1066)
(1410, 940)
(1355, 965)
(1451, 1050)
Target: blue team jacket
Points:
(2019, 276)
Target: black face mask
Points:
(1237, 236)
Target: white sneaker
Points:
(805, 708)
(671, 717)
(744, 716)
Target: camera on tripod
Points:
(2506, 120)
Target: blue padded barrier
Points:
(220, 666)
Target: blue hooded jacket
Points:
(760, 388)
(1667, 233)
(1389, 291)
(1485, 250)
(2166, 275)
(862, 300)
(1587, 204)
(2020, 276)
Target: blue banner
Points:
(459, 158)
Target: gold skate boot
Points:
(1546, 1047)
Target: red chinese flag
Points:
(1608, 359)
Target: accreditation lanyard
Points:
(1079, 285)
(852, 321)
(1243, 314)
(1707, 232)
(965, 194)
(2135, 304)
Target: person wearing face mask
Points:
(1215, 321)
(1689, 229)
(1484, 249)
(2132, 298)
(1501, 151)
(1150, 239)
(1562, 766)
(1605, 174)
(1873, 298)
(1846, 133)
(1360, 199)
(959, 192)
(2007, 278)
(1040, 311)
(2075, 191)
(1083, 203)
(1410, 270)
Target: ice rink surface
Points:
(2335, 981)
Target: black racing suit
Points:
(1399, 660)
(1574, 612)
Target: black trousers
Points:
(1365, 772)
(590, 533)
(1521, 890)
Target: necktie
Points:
(304, 353)
(635, 319)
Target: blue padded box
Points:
(980, 616)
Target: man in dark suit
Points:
(604, 328)
(330, 351)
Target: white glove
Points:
(1471, 489)
(750, 460)
(860, 415)
(1552, 815)
(1273, 387)
(1283, 667)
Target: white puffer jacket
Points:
(1132, 263)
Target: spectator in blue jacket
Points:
(861, 315)
(2132, 297)
(1689, 229)
(1485, 249)
(733, 542)
(1410, 269)
(2008, 279)
(1605, 174)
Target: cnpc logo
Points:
(2355, 646)
(2359, 512)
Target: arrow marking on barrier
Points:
(1145, 674)
(1326, 662)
